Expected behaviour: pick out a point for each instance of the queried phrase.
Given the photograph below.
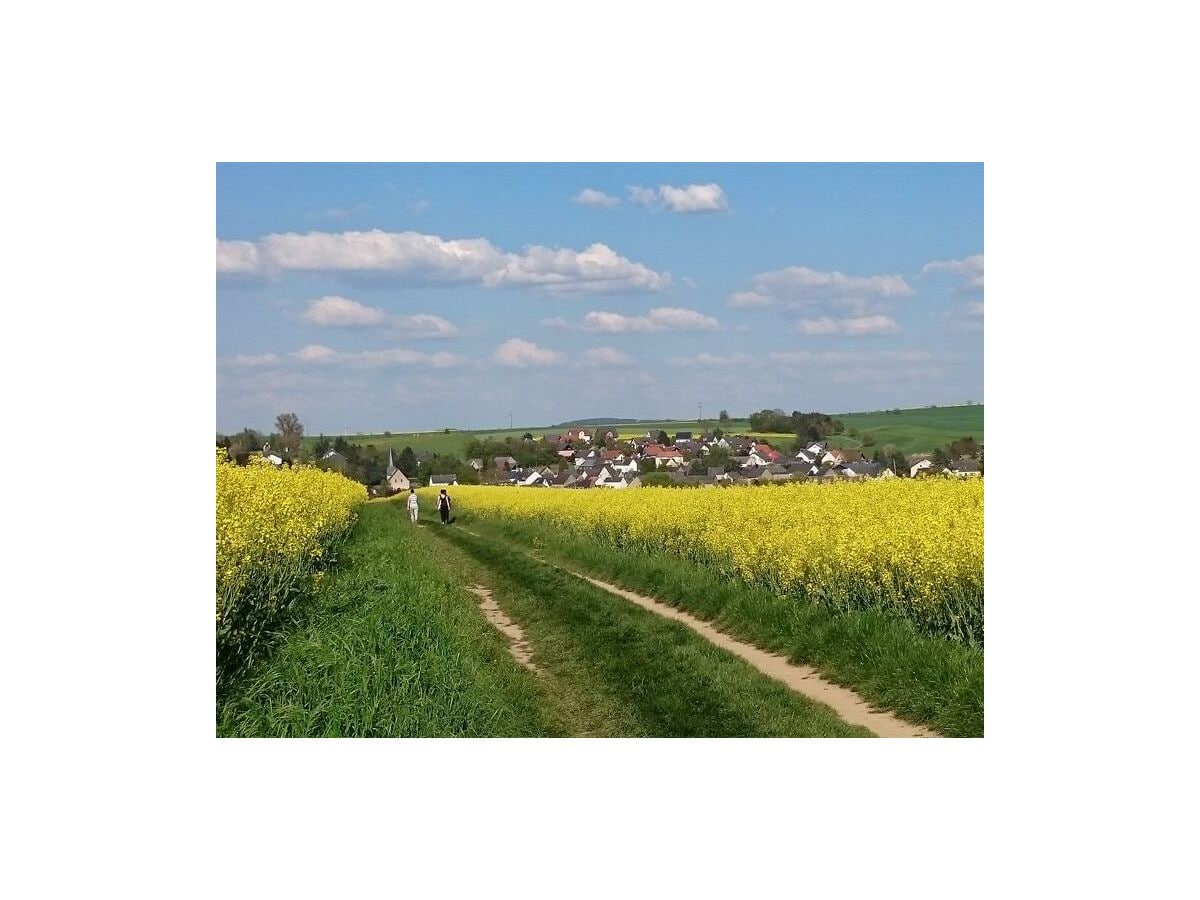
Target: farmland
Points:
(910, 430)
(874, 590)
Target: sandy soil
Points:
(802, 679)
(517, 645)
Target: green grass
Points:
(390, 646)
(393, 645)
(924, 679)
(613, 668)
(914, 430)
(911, 430)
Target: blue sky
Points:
(410, 296)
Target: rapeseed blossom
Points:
(908, 547)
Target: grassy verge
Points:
(611, 668)
(390, 646)
(924, 679)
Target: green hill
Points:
(910, 430)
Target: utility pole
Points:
(700, 407)
(510, 420)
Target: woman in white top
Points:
(412, 504)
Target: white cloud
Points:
(317, 353)
(607, 356)
(748, 299)
(423, 325)
(519, 354)
(848, 357)
(692, 198)
(341, 311)
(592, 197)
(643, 196)
(967, 273)
(597, 268)
(253, 361)
(664, 318)
(375, 359)
(804, 287)
(711, 360)
(557, 323)
(857, 326)
(429, 258)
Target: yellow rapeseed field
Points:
(274, 529)
(912, 547)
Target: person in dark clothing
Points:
(444, 506)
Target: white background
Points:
(116, 114)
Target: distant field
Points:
(914, 430)
(911, 430)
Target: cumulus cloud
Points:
(664, 318)
(967, 273)
(748, 299)
(341, 311)
(848, 357)
(428, 258)
(711, 360)
(803, 287)
(857, 326)
(374, 359)
(607, 356)
(598, 268)
(423, 325)
(516, 353)
(827, 303)
(692, 198)
(253, 361)
(592, 197)
(315, 353)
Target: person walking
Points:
(412, 504)
(444, 506)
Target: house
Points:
(923, 465)
(504, 463)
(394, 478)
(476, 464)
(965, 467)
(716, 473)
(663, 456)
(442, 480)
(863, 469)
(610, 435)
(579, 434)
(682, 436)
(768, 453)
(566, 454)
(838, 455)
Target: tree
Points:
(661, 438)
(321, 447)
(723, 416)
(647, 464)
(407, 463)
(290, 431)
(527, 436)
(718, 456)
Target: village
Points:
(601, 459)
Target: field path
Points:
(802, 679)
(517, 645)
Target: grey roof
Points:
(965, 464)
(716, 471)
(443, 479)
